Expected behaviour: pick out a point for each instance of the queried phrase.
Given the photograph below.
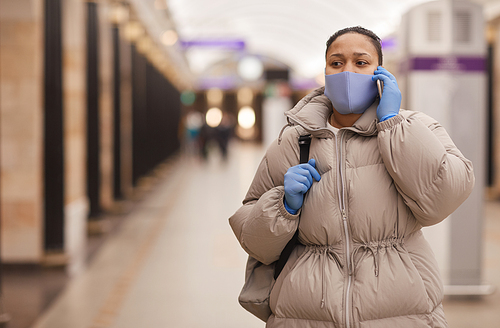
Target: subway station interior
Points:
(131, 130)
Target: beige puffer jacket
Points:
(364, 262)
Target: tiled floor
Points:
(28, 290)
(174, 261)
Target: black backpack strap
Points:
(304, 144)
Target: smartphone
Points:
(380, 86)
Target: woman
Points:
(377, 175)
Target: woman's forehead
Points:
(352, 42)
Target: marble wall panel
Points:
(21, 130)
(74, 98)
(75, 132)
(106, 104)
(126, 115)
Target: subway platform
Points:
(173, 261)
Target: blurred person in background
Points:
(377, 174)
(193, 122)
(224, 133)
(216, 137)
(205, 139)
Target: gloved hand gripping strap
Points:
(304, 144)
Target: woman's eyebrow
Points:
(361, 54)
(357, 54)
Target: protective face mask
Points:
(350, 93)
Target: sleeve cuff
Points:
(389, 123)
(283, 209)
(388, 116)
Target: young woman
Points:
(376, 176)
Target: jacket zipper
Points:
(346, 231)
(340, 192)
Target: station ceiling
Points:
(291, 32)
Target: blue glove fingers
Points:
(314, 173)
(382, 70)
(391, 96)
(301, 174)
(384, 78)
(298, 180)
(306, 170)
(300, 183)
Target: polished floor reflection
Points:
(174, 262)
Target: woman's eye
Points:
(361, 63)
(336, 64)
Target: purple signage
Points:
(389, 43)
(232, 44)
(447, 63)
(223, 82)
(304, 84)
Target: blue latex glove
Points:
(391, 95)
(298, 180)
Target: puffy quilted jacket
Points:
(364, 261)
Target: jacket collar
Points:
(312, 113)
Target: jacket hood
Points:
(312, 113)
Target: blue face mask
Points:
(350, 93)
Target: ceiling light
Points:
(246, 117)
(133, 31)
(213, 117)
(169, 37)
(119, 14)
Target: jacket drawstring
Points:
(325, 251)
(374, 254)
(397, 243)
(376, 260)
(323, 283)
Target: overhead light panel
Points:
(250, 68)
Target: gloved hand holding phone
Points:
(298, 180)
(390, 101)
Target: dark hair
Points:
(374, 39)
